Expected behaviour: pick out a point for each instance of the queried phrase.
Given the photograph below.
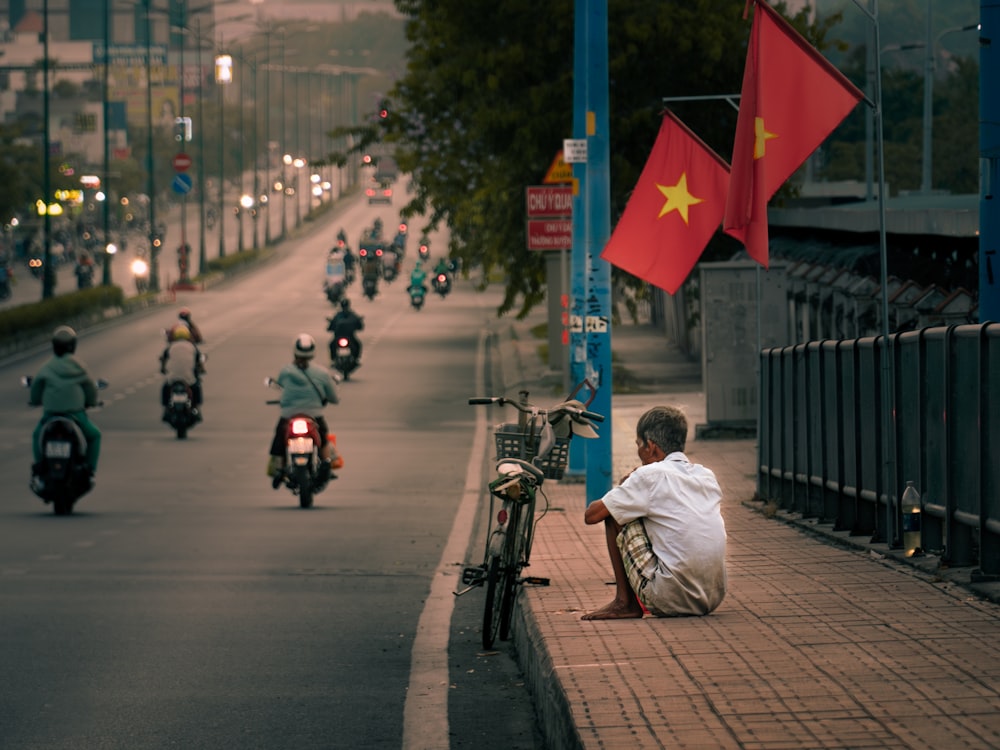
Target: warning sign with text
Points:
(550, 234)
(550, 201)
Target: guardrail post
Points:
(989, 447)
(963, 443)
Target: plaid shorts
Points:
(637, 554)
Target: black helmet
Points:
(345, 304)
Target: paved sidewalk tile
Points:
(815, 646)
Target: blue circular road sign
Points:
(181, 183)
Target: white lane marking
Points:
(425, 712)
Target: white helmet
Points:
(305, 346)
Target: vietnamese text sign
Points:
(550, 234)
(575, 150)
(550, 200)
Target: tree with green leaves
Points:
(487, 98)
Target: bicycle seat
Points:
(510, 466)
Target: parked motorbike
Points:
(300, 474)
(442, 283)
(417, 296)
(64, 473)
(342, 357)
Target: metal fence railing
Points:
(843, 428)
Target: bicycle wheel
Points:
(496, 583)
(519, 525)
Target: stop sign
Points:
(181, 162)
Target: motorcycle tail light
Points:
(341, 342)
(363, 253)
(441, 277)
(379, 252)
(502, 516)
(300, 427)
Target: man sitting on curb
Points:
(664, 528)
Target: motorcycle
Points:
(442, 284)
(425, 249)
(335, 292)
(417, 296)
(390, 266)
(84, 276)
(181, 414)
(342, 357)
(300, 473)
(140, 272)
(64, 472)
(369, 286)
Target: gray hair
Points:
(665, 426)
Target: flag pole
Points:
(889, 478)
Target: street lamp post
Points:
(298, 163)
(223, 76)
(286, 162)
(48, 274)
(154, 240)
(243, 142)
(106, 111)
(927, 172)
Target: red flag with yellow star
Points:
(792, 99)
(675, 208)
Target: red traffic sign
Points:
(550, 234)
(181, 162)
(553, 201)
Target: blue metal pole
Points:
(597, 307)
(989, 150)
(578, 259)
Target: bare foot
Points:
(616, 611)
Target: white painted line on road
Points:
(425, 713)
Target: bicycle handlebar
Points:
(531, 409)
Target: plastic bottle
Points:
(910, 507)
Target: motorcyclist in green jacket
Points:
(63, 386)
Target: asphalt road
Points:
(187, 604)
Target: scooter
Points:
(335, 292)
(369, 286)
(417, 296)
(181, 413)
(342, 357)
(425, 249)
(64, 474)
(300, 474)
(442, 284)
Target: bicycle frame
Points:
(528, 453)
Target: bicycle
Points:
(528, 452)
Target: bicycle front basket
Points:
(513, 442)
(553, 464)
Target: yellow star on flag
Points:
(678, 198)
(761, 137)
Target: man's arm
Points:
(596, 512)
